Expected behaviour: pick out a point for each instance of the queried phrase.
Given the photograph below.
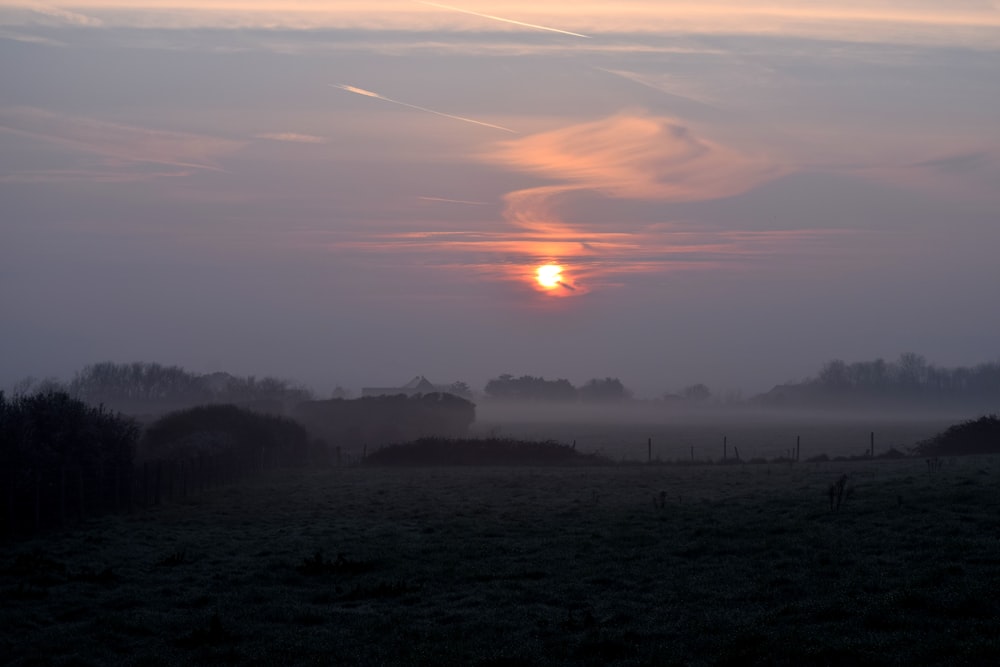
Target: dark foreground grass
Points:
(731, 565)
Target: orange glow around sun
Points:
(549, 276)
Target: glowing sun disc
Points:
(549, 275)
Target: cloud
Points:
(967, 177)
(957, 164)
(293, 137)
(30, 39)
(117, 142)
(630, 156)
(627, 156)
(962, 23)
(600, 259)
(60, 15)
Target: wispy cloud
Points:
(293, 137)
(965, 23)
(628, 156)
(58, 14)
(957, 164)
(966, 177)
(368, 93)
(118, 143)
(28, 38)
(597, 260)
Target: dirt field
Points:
(632, 565)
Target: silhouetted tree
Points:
(696, 393)
(910, 379)
(608, 389)
(460, 389)
(530, 388)
(138, 386)
(150, 388)
(51, 429)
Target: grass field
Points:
(625, 437)
(505, 566)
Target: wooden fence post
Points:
(11, 496)
(62, 495)
(159, 478)
(83, 493)
(38, 502)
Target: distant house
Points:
(418, 385)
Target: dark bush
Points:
(51, 429)
(225, 429)
(385, 419)
(490, 451)
(51, 443)
(979, 436)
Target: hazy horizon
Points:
(356, 194)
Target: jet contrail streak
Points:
(455, 201)
(500, 18)
(368, 93)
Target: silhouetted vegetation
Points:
(910, 380)
(50, 442)
(530, 388)
(225, 429)
(383, 419)
(608, 389)
(44, 430)
(488, 451)
(141, 388)
(979, 436)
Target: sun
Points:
(549, 276)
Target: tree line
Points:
(142, 388)
(152, 389)
(910, 380)
(532, 388)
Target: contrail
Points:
(368, 93)
(455, 201)
(500, 18)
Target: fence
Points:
(37, 499)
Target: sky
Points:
(353, 193)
